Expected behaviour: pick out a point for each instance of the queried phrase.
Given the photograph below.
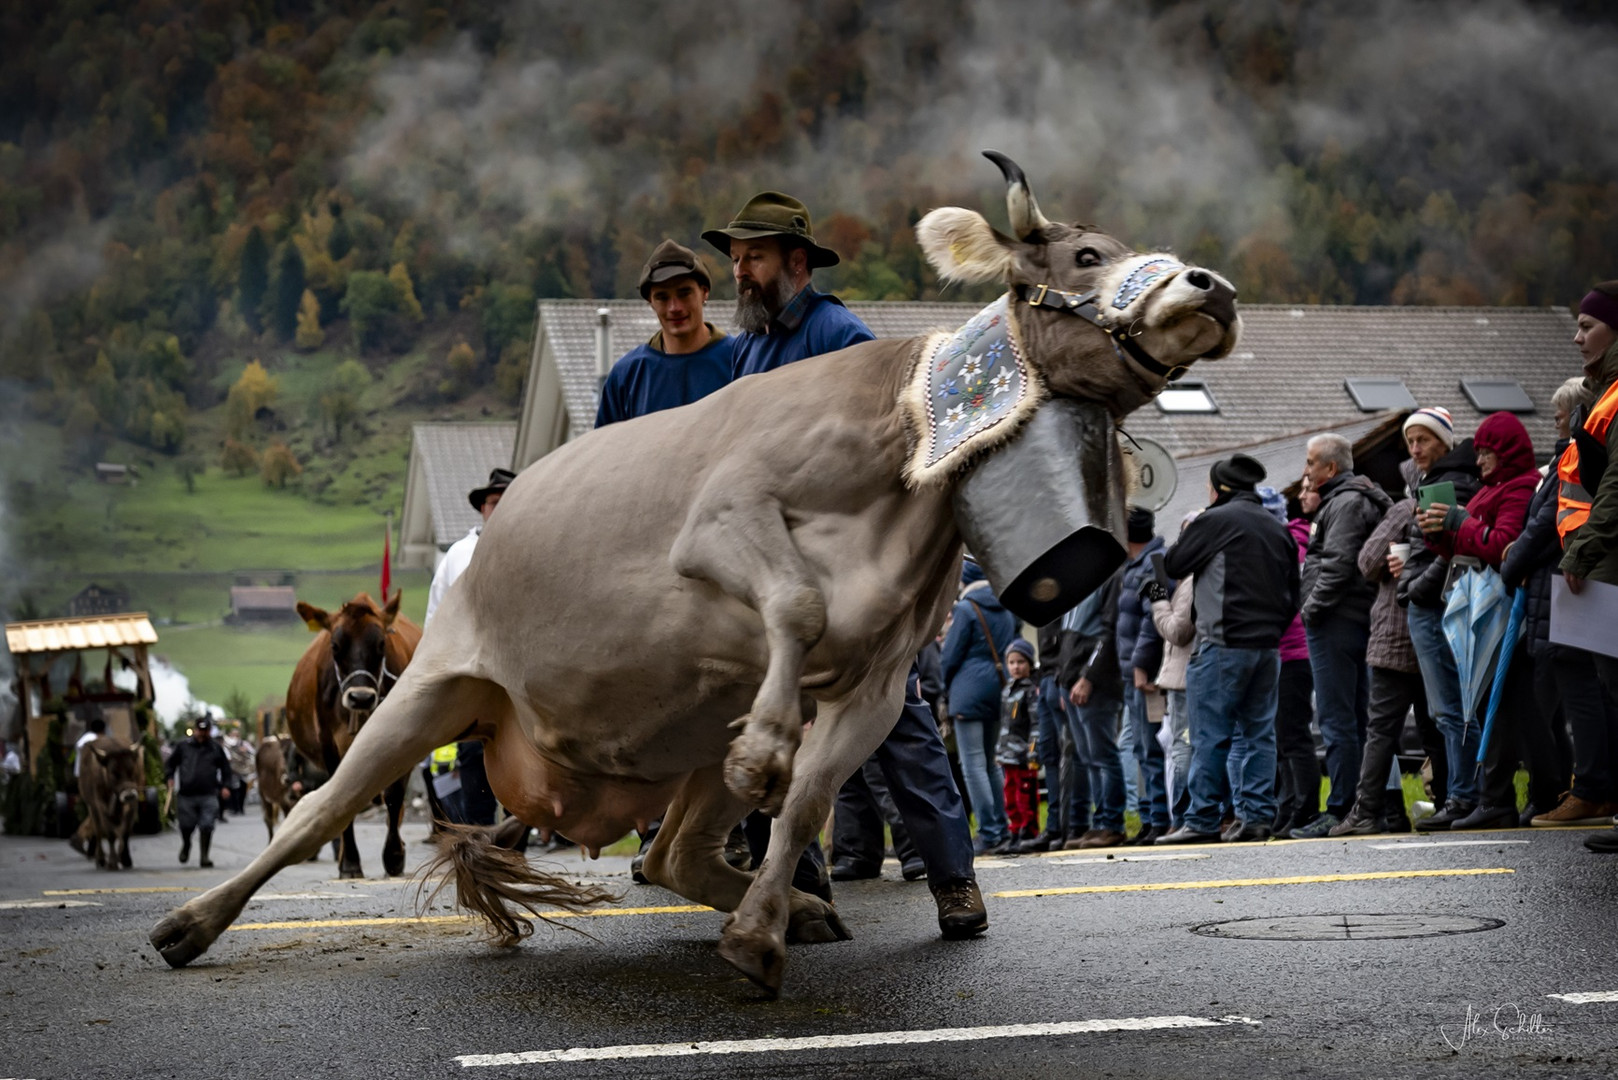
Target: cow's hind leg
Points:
(393, 850)
(740, 542)
(844, 735)
(347, 849)
(423, 711)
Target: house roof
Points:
(1286, 375)
(456, 458)
(66, 635)
(263, 597)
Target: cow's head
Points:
(1110, 324)
(359, 632)
(124, 770)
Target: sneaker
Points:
(1357, 823)
(1316, 829)
(1453, 811)
(1098, 838)
(1185, 834)
(1574, 810)
(1488, 817)
(961, 913)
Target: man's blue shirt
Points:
(647, 379)
(812, 324)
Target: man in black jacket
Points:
(1089, 671)
(1246, 569)
(1430, 438)
(199, 772)
(1337, 615)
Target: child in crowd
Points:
(1015, 750)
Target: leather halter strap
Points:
(1087, 307)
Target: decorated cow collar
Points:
(968, 392)
(1147, 273)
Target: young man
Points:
(773, 253)
(200, 774)
(686, 359)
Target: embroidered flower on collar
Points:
(972, 368)
(1001, 383)
(955, 414)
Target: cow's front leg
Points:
(393, 851)
(740, 542)
(844, 735)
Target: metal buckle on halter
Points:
(1039, 300)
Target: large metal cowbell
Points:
(1044, 515)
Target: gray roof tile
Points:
(457, 458)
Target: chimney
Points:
(603, 344)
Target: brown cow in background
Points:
(271, 766)
(358, 654)
(111, 778)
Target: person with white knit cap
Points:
(1430, 438)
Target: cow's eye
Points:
(1088, 257)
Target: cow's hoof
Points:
(349, 872)
(393, 862)
(759, 770)
(811, 926)
(179, 939)
(764, 964)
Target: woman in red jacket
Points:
(1483, 529)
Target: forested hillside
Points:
(327, 185)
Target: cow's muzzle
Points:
(129, 795)
(1219, 295)
(1043, 515)
(359, 699)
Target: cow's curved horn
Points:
(1026, 219)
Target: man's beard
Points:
(756, 306)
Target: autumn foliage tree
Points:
(238, 457)
(278, 465)
(255, 389)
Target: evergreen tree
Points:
(254, 281)
(341, 240)
(290, 281)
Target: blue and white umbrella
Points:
(1508, 646)
(1474, 625)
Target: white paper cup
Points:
(1400, 552)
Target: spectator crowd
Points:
(1191, 688)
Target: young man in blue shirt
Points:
(782, 320)
(686, 359)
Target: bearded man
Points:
(783, 319)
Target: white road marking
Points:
(990, 864)
(8, 905)
(1586, 998)
(308, 895)
(1095, 860)
(1441, 843)
(840, 1042)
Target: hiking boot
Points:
(961, 913)
(1316, 829)
(1453, 811)
(1185, 834)
(1243, 833)
(1097, 838)
(1357, 823)
(1073, 843)
(849, 870)
(1605, 842)
(1488, 817)
(1573, 810)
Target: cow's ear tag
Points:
(314, 627)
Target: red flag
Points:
(387, 576)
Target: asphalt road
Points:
(1107, 978)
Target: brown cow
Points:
(356, 658)
(112, 776)
(271, 766)
(658, 605)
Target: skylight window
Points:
(1497, 395)
(1378, 394)
(1187, 396)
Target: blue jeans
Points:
(1232, 693)
(985, 784)
(1067, 779)
(1443, 684)
(1342, 696)
(1126, 755)
(1098, 728)
(1154, 796)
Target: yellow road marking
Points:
(423, 920)
(1233, 883)
(141, 889)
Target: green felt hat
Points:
(770, 213)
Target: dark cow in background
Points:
(358, 654)
(271, 766)
(112, 776)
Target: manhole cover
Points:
(1346, 927)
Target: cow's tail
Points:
(493, 881)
